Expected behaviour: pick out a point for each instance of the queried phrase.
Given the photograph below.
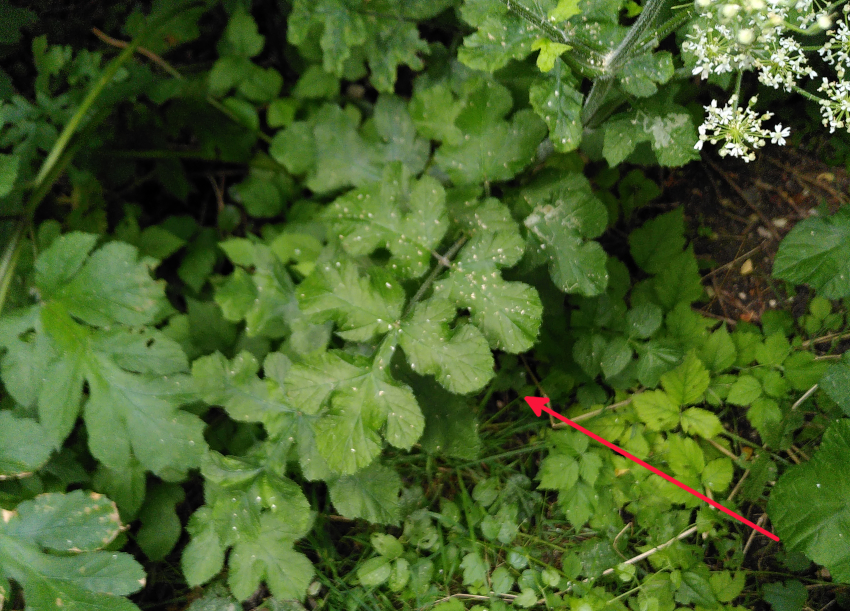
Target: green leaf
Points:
(744, 391)
(460, 359)
(241, 36)
(268, 556)
(203, 556)
(788, 596)
(235, 387)
(656, 410)
(434, 110)
(387, 545)
(451, 428)
(641, 74)
(686, 384)
(644, 320)
(370, 494)
(24, 446)
(79, 523)
(374, 572)
(774, 350)
(718, 352)
(502, 36)
(493, 149)
(558, 472)
(8, 173)
(679, 282)
(685, 456)
(134, 373)
(550, 52)
(726, 587)
(717, 474)
(555, 98)
(616, 356)
(836, 382)
(161, 527)
(701, 422)
(362, 306)
(666, 126)
(342, 29)
(808, 506)
(817, 252)
(474, 568)
(657, 241)
(407, 219)
(566, 215)
(507, 313)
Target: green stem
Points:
(75, 122)
(810, 96)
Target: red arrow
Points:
(538, 406)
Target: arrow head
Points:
(536, 404)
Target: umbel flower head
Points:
(740, 129)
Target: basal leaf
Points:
(89, 329)
(460, 359)
(79, 523)
(556, 100)
(566, 215)
(24, 446)
(493, 149)
(407, 219)
(371, 494)
(363, 306)
(269, 557)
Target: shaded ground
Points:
(738, 213)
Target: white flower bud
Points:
(703, 3)
(757, 5)
(729, 10)
(746, 36)
(824, 22)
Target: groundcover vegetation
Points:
(276, 277)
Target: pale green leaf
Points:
(698, 421)
(686, 384)
(744, 391)
(717, 474)
(656, 410)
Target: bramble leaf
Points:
(817, 252)
(809, 509)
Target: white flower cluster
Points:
(741, 35)
(740, 128)
(748, 34)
